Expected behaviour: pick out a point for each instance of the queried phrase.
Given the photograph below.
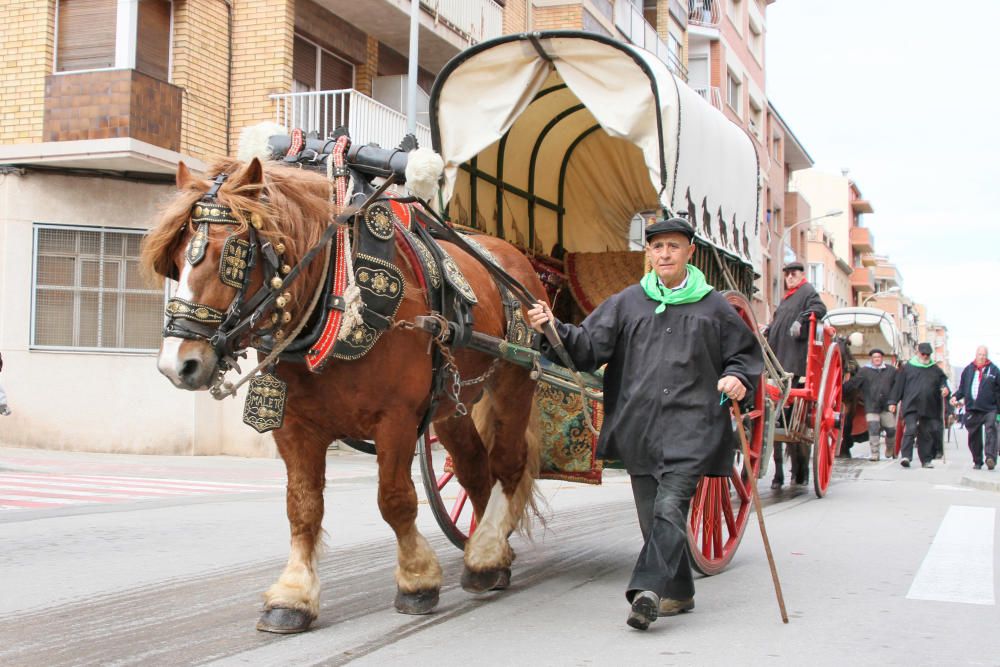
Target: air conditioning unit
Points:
(391, 91)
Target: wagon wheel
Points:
(721, 506)
(448, 500)
(829, 408)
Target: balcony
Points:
(862, 206)
(861, 240)
(366, 120)
(713, 94)
(706, 13)
(446, 26)
(637, 30)
(862, 279)
(109, 104)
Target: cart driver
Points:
(671, 344)
(789, 329)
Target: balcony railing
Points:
(713, 94)
(704, 13)
(323, 112)
(478, 20)
(638, 31)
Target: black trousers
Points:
(982, 430)
(928, 433)
(664, 565)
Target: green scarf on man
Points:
(915, 361)
(695, 289)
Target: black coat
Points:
(919, 391)
(876, 384)
(988, 396)
(661, 402)
(791, 352)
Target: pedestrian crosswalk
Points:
(40, 490)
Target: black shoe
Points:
(645, 607)
(977, 466)
(991, 463)
(905, 462)
(927, 465)
(776, 485)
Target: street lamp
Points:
(828, 214)
(891, 290)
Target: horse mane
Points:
(295, 211)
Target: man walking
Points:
(979, 392)
(877, 379)
(671, 345)
(917, 396)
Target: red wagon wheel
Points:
(721, 506)
(829, 408)
(448, 500)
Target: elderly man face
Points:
(982, 354)
(669, 254)
(876, 358)
(793, 278)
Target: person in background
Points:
(979, 393)
(877, 379)
(4, 408)
(917, 395)
(672, 344)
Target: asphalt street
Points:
(893, 567)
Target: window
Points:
(776, 151)
(816, 276)
(88, 37)
(734, 9)
(756, 120)
(315, 68)
(733, 91)
(756, 41)
(88, 292)
(86, 34)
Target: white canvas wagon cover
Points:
(570, 134)
(876, 327)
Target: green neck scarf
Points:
(695, 289)
(915, 361)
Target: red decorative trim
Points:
(295, 145)
(316, 356)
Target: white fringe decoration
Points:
(423, 171)
(253, 140)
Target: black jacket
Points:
(661, 403)
(876, 384)
(918, 391)
(988, 396)
(791, 352)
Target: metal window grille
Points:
(88, 293)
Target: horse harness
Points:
(335, 329)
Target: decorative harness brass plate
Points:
(196, 247)
(264, 409)
(380, 221)
(180, 309)
(234, 262)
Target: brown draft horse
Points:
(380, 397)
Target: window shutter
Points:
(335, 74)
(304, 64)
(152, 55)
(86, 34)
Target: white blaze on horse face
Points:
(168, 362)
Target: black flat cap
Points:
(925, 348)
(793, 266)
(679, 225)
(876, 351)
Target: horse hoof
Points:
(284, 621)
(420, 602)
(487, 580)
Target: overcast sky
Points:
(905, 95)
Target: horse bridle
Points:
(223, 330)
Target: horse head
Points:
(230, 244)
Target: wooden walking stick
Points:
(760, 514)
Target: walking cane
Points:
(760, 514)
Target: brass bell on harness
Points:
(256, 220)
(285, 269)
(276, 282)
(286, 318)
(274, 318)
(279, 334)
(280, 248)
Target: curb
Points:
(981, 484)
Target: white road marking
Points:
(958, 566)
(949, 487)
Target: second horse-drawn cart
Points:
(560, 142)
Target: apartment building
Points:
(101, 100)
